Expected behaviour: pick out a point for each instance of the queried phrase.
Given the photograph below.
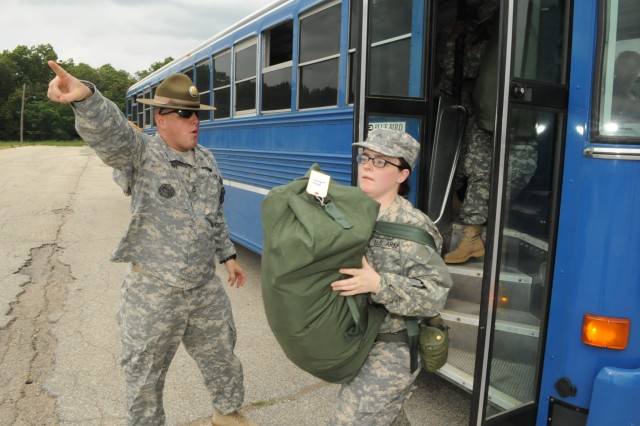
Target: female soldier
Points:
(397, 275)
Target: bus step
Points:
(517, 332)
(516, 289)
(510, 383)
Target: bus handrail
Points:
(461, 133)
(609, 153)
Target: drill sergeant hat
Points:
(392, 143)
(177, 92)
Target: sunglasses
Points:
(182, 113)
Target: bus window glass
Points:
(619, 92)
(320, 34)
(134, 111)
(319, 57)
(319, 84)
(222, 85)
(140, 117)
(392, 18)
(276, 75)
(222, 103)
(541, 57)
(203, 84)
(276, 89)
(129, 101)
(388, 70)
(246, 96)
(245, 62)
(145, 112)
(397, 48)
(222, 70)
(245, 77)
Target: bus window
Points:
(133, 112)
(129, 109)
(396, 65)
(222, 85)
(245, 77)
(619, 91)
(276, 74)
(319, 57)
(144, 113)
(540, 58)
(203, 84)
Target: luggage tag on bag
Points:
(318, 185)
(318, 188)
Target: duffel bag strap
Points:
(334, 212)
(405, 232)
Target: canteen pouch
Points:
(433, 343)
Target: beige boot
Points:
(470, 246)
(232, 419)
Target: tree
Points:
(154, 67)
(25, 68)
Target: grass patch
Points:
(14, 144)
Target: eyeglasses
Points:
(377, 162)
(182, 113)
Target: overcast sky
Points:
(128, 34)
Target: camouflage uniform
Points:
(478, 147)
(410, 286)
(171, 293)
(474, 46)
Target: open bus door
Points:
(497, 306)
(532, 95)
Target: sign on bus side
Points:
(389, 125)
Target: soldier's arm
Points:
(99, 122)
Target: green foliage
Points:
(154, 67)
(24, 72)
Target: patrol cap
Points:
(176, 92)
(392, 143)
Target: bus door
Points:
(530, 80)
(391, 70)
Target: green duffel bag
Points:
(306, 240)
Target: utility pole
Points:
(24, 88)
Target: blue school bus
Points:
(545, 327)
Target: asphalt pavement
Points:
(63, 199)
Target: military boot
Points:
(470, 246)
(231, 419)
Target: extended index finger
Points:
(60, 72)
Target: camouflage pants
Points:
(476, 168)
(154, 318)
(377, 394)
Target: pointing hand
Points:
(65, 88)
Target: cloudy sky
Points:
(128, 34)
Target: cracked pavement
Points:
(61, 216)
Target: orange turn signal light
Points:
(605, 332)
